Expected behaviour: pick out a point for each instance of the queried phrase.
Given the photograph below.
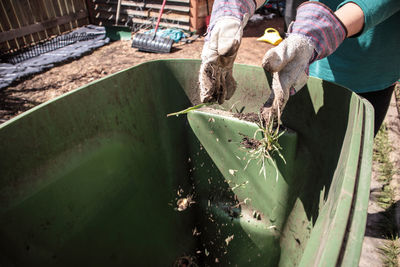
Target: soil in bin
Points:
(251, 117)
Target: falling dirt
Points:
(229, 239)
(184, 203)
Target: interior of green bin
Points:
(93, 177)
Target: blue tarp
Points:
(175, 34)
(12, 72)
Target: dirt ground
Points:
(376, 230)
(119, 55)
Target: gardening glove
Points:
(316, 33)
(222, 42)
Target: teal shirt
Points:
(371, 61)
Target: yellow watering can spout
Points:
(271, 36)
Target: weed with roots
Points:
(262, 149)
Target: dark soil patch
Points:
(250, 143)
(251, 117)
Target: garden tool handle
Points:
(118, 11)
(159, 18)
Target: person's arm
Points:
(375, 11)
(352, 18)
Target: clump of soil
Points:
(184, 203)
(250, 143)
(251, 117)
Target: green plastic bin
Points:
(92, 178)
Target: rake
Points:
(151, 42)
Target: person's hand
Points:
(218, 56)
(315, 34)
(225, 32)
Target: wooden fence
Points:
(25, 22)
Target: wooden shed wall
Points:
(183, 14)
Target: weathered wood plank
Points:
(77, 7)
(26, 18)
(169, 15)
(64, 11)
(69, 5)
(4, 46)
(198, 14)
(193, 15)
(45, 13)
(6, 25)
(163, 24)
(13, 20)
(50, 10)
(152, 14)
(38, 17)
(106, 20)
(19, 15)
(180, 1)
(58, 11)
(90, 9)
(147, 5)
(81, 6)
(168, 7)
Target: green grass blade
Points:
(188, 109)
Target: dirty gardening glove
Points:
(316, 33)
(222, 42)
